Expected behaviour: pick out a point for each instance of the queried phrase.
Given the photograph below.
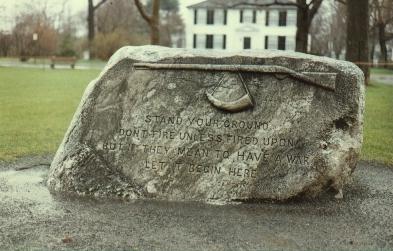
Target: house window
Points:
(247, 16)
(224, 42)
(209, 41)
(216, 41)
(210, 17)
(282, 18)
(201, 16)
(291, 18)
(281, 43)
(290, 43)
(195, 16)
(246, 43)
(218, 17)
(267, 18)
(254, 16)
(272, 43)
(199, 41)
(266, 42)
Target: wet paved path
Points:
(386, 79)
(30, 217)
(40, 65)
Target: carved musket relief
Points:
(324, 80)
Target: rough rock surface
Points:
(174, 124)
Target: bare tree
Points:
(152, 20)
(5, 44)
(373, 40)
(320, 32)
(171, 24)
(114, 29)
(91, 19)
(357, 34)
(29, 23)
(305, 14)
(337, 33)
(112, 17)
(382, 18)
(172, 27)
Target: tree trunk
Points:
(372, 40)
(91, 27)
(168, 38)
(372, 52)
(154, 33)
(152, 20)
(357, 34)
(303, 27)
(382, 44)
(155, 23)
(337, 53)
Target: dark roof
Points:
(236, 4)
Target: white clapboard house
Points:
(237, 25)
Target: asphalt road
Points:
(32, 219)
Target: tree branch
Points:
(99, 4)
(314, 8)
(341, 1)
(388, 36)
(310, 3)
(389, 20)
(142, 11)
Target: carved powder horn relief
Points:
(243, 103)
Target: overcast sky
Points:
(10, 8)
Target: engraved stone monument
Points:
(173, 124)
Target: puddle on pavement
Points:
(27, 188)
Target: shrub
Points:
(104, 45)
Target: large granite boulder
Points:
(174, 124)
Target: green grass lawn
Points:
(378, 126)
(36, 107)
